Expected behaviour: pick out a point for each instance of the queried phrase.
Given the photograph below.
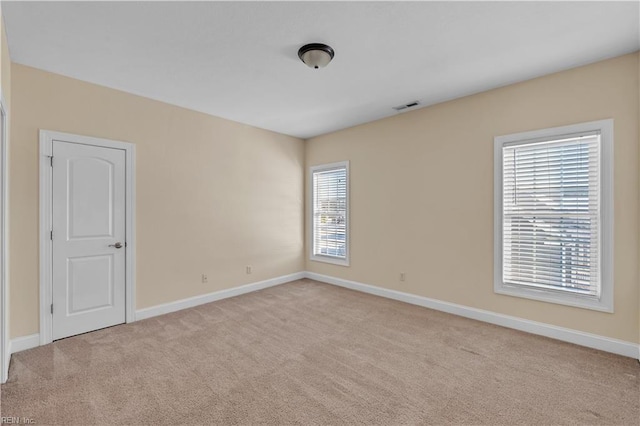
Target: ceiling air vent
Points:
(406, 106)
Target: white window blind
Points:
(551, 215)
(330, 203)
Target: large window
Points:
(553, 224)
(330, 213)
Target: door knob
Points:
(116, 245)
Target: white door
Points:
(88, 218)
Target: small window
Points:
(330, 213)
(553, 215)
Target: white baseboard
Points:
(23, 343)
(19, 344)
(581, 338)
(594, 341)
(190, 302)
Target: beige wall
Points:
(212, 195)
(209, 191)
(422, 192)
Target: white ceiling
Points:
(238, 60)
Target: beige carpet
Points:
(310, 353)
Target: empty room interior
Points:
(320, 213)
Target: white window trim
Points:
(321, 258)
(605, 303)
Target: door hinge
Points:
(51, 160)
(51, 235)
(52, 309)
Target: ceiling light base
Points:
(316, 55)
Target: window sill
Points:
(576, 301)
(329, 259)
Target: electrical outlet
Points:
(402, 276)
(249, 269)
(205, 279)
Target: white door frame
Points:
(4, 259)
(46, 203)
